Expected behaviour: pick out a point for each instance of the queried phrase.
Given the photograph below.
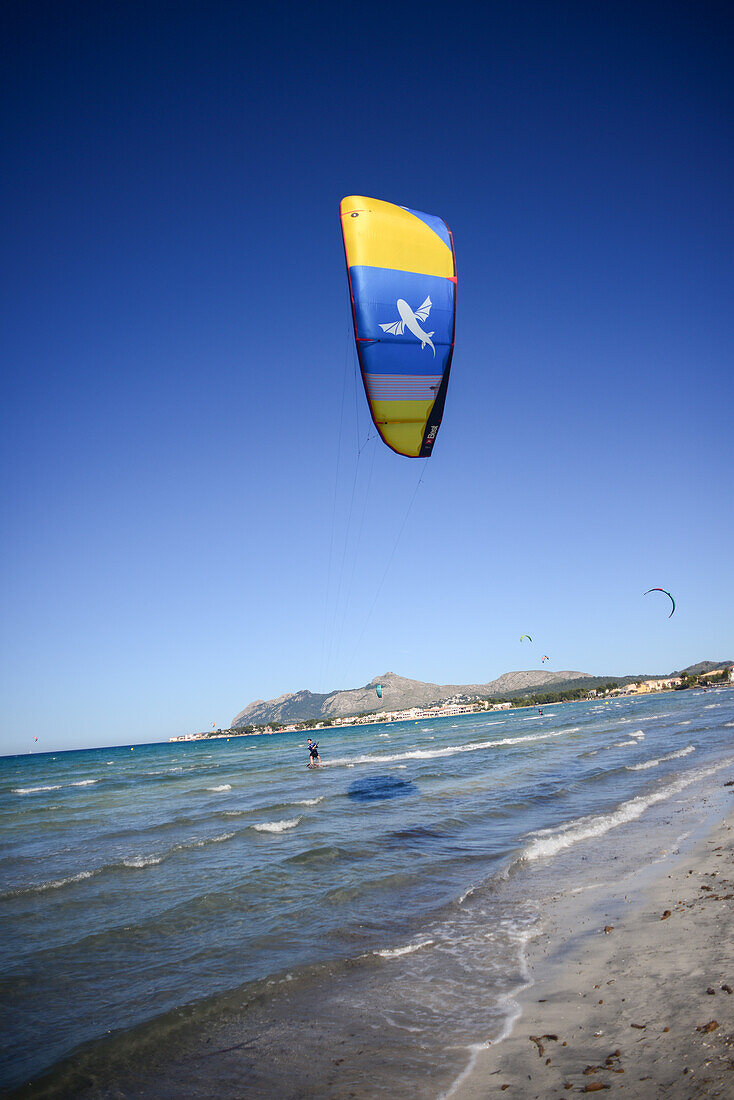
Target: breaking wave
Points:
(433, 754)
(134, 863)
(276, 826)
(548, 842)
(32, 790)
(395, 952)
(54, 786)
(660, 759)
(54, 884)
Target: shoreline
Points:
(519, 957)
(613, 998)
(629, 991)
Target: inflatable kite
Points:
(665, 591)
(402, 282)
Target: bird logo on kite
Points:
(409, 319)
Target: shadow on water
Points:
(378, 787)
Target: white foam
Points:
(142, 861)
(548, 842)
(636, 736)
(32, 790)
(54, 787)
(309, 801)
(203, 843)
(67, 881)
(660, 759)
(223, 787)
(476, 1048)
(276, 826)
(513, 1013)
(395, 952)
(432, 754)
(53, 885)
(137, 862)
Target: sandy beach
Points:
(632, 994)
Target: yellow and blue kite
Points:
(402, 280)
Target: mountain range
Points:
(400, 693)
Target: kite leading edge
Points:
(666, 593)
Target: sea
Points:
(212, 918)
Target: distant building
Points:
(728, 672)
(644, 687)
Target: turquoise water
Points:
(408, 871)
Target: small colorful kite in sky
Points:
(665, 591)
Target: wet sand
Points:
(631, 993)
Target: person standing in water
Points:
(314, 758)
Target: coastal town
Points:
(454, 707)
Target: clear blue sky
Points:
(176, 345)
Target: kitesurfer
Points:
(314, 758)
